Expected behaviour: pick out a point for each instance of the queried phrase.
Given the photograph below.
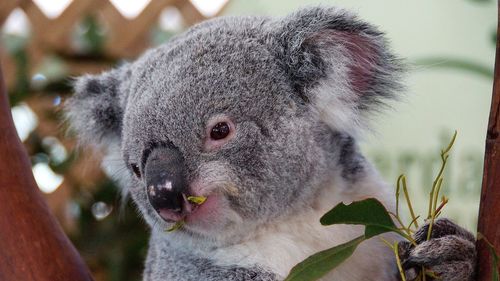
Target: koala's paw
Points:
(450, 253)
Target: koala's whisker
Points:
(123, 198)
(115, 160)
(117, 172)
(223, 186)
(230, 189)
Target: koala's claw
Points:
(450, 253)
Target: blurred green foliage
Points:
(115, 245)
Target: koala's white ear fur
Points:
(95, 111)
(338, 63)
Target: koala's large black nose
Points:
(165, 180)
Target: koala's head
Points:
(256, 114)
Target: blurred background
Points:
(449, 45)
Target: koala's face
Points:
(235, 110)
(212, 115)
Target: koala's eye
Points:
(220, 131)
(136, 170)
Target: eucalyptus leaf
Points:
(198, 200)
(369, 212)
(319, 264)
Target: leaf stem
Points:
(398, 261)
(408, 201)
(436, 186)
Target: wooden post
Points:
(32, 244)
(489, 211)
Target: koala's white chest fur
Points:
(280, 246)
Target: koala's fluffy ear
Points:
(95, 111)
(338, 63)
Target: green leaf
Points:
(369, 212)
(319, 264)
(198, 200)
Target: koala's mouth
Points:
(187, 208)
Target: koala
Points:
(262, 117)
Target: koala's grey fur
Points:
(298, 89)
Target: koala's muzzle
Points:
(165, 182)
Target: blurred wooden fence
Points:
(126, 38)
